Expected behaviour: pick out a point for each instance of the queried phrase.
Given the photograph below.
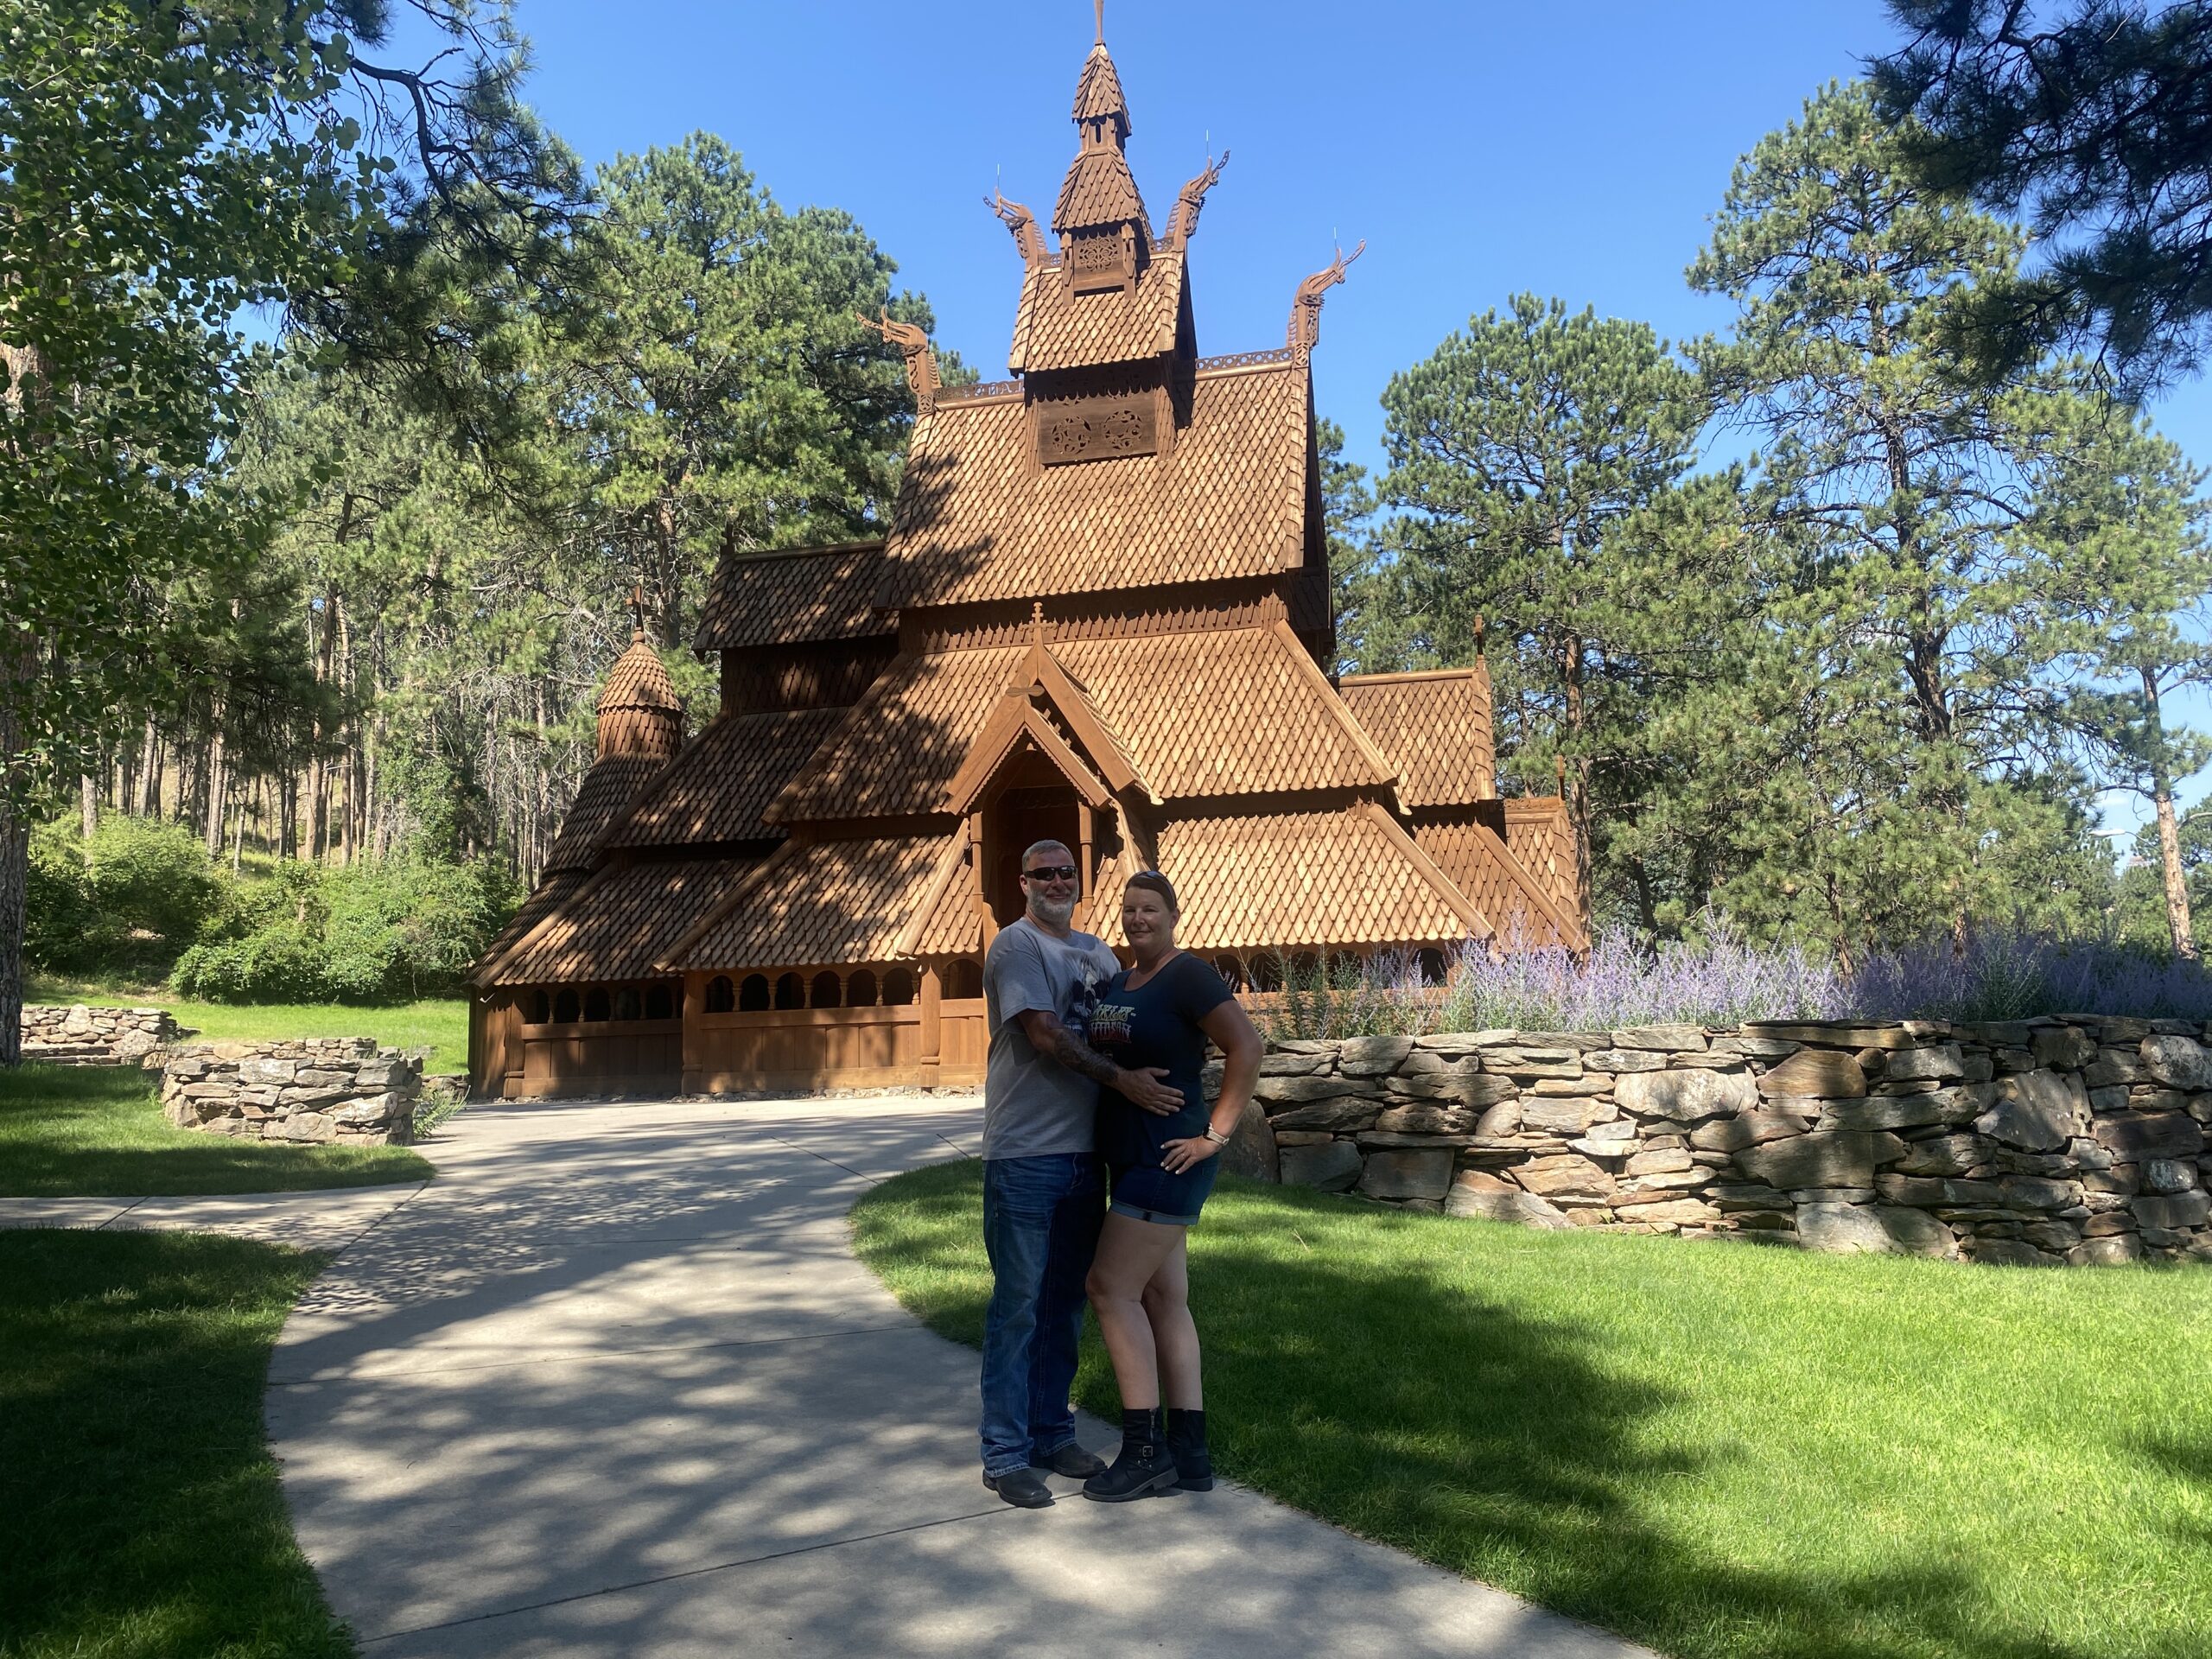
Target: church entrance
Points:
(1021, 814)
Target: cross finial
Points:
(1099, 11)
(1036, 620)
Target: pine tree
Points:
(2095, 117)
(1893, 490)
(1521, 454)
(2122, 572)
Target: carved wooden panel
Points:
(1097, 428)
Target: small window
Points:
(566, 1008)
(791, 992)
(825, 992)
(898, 989)
(540, 1008)
(595, 1004)
(629, 1003)
(966, 979)
(660, 1002)
(860, 990)
(1231, 971)
(752, 996)
(1434, 970)
(722, 995)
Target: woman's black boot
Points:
(1186, 1449)
(1143, 1465)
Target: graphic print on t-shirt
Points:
(1109, 1024)
(1082, 1006)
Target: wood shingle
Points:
(897, 750)
(1056, 328)
(813, 902)
(1348, 877)
(1436, 728)
(717, 789)
(617, 925)
(794, 598)
(976, 521)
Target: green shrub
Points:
(394, 932)
(127, 901)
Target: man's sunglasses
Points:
(1050, 873)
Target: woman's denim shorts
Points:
(1146, 1193)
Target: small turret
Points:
(639, 714)
(1105, 234)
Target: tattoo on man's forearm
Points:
(1076, 1055)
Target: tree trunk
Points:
(1578, 798)
(152, 806)
(88, 804)
(217, 785)
(15, 879)
(2178, 921)
(15, 859)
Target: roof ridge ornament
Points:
(913, 345)
(1023, 223)
(1183, 217)
(1306, 308)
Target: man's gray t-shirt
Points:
(1034, 1105)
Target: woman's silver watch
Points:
(1218, 1140)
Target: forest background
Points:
(1815, 630)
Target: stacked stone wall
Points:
(320, 1090)
(83, 1035)
(2075, 1139)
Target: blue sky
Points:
(1574, 149)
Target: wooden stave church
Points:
(1100, 613)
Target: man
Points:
(1042, 1197)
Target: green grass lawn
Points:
(1719, 1450)
(140, 1514)
(438, 1024)
(98, 1131)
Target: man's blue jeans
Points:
(1041, 1218)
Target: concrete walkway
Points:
(613, 1385)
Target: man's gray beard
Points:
(1053, 912)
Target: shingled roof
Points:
(976, 521)
(602, 798)
(794, 597)
(639, 680)
(1520, 904)
(1350, 877)
(1435, 727)
(617, 925)
(900, 746)
(1542, 841)
(1241, 711)
(1056, 328)
(815, 902)
(716, 789)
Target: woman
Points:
(1160, 1013)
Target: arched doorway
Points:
(1032, 808)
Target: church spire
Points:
(1105, 234)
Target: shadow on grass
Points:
(140, 1512)
(98, 1131)
(1503, 1447)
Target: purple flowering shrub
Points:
(1719, 977)
(2018, 975)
